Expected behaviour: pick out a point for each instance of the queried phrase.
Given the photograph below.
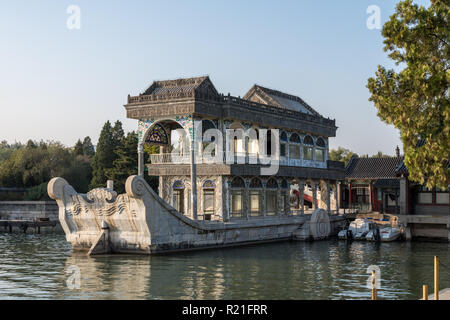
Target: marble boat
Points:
(140, 222)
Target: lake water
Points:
(38, 267)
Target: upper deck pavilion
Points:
(198, 97)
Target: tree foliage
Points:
(416, 98)
(36, 163)
(32, 165)
(88, 147)
(110, 138)
(342, 154)
(78, 148)
(126, 162)
(6, 149)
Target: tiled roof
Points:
(372, 168)
(177, 86)
(279, 99)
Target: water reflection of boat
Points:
(357, 230)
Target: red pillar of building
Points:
(349, 194)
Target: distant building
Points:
(372, 184)
(382, 185)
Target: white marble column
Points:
(140, 150)
(301, 187)
(193, 181)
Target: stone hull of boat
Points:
(141, 222)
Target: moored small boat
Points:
(357, 230)
(390, 234)
(386, 234)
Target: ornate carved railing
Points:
(237, 158)
(169, 158)
(233, 100)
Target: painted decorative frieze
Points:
(143, 126)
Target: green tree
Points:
(380, 154)
(416, 99)
(117, 133)
(88, 147)
(103, 160)
(36, 164)
(126, 162)
(6, 150)
(342, 154)
(78, 148)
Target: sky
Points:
(63, 84)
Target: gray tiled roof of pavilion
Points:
(279, 99)
(372, 168)
(182, 85)
(198, 96)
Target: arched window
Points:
(208, 198)
(157, 135)
(269, 143)
(238, 182)
(294, 146)
(271, 197)
(283, 144)
(320, 143)
(320, 150)
(238, 138)
(253, 142)
(178, 196)
(272, 184)
(308, 147)
(255, 197)
(236, 198)
(209, 184)
(207, 125)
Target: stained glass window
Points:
(295, 138)
(308, 140)
(255, 184)
(178, 184)
(208, 184)
(157, 134)
(238, 183)
(272, 184)
(320, 143)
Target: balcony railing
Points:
(239, 158)
(169, 158)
